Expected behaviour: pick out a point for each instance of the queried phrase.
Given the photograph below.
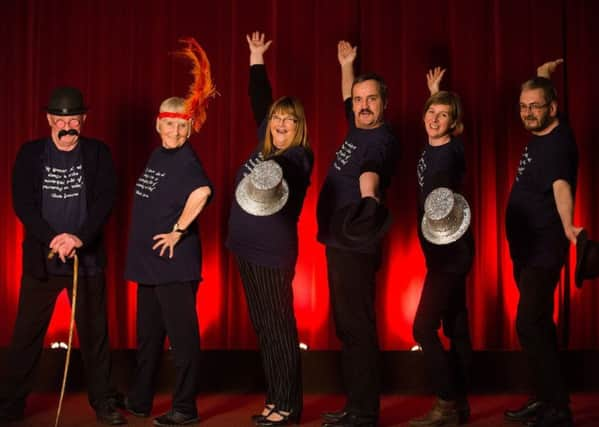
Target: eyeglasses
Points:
(73, 123)
(284, 120)
(532, 107)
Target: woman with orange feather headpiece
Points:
(164, 251)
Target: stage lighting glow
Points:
(58, 345)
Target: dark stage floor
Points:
(234, 410)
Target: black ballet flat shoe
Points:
(286, 419)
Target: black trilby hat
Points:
(587, 258)
(361, 224)
(66, 101)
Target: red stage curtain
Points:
(117, 52)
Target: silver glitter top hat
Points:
(446, 216)
(264, 191)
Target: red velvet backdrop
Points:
(117, 52)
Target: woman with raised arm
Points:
(443, 298)
(270, 190)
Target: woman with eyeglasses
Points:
(443, 297)
(266, 247)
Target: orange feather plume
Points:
(202, 88)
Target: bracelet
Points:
(176, 229)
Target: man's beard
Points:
(542, 122)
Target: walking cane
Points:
(71, 327)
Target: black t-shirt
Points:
(534, 230)
(443, 166)
(64, 203)
(161, 192)
(270, 240)
(364, 150)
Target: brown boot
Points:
(443, 413)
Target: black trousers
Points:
(352, 283)
(270, 303)
(37, 299)
(443, 301)
(537, 333)
(163, 310)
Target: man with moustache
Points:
(539, 229)
(63, 190)
(359, 175)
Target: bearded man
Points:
(539, 230)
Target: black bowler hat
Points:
(66, 101)
(361, 224)
(587, 258)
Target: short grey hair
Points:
(174, 104)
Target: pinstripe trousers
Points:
(270, 302)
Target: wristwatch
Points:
(177, 229)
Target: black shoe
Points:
(524, 413)
(122, 402)
(176, 418)
(352, 420)
(552, 417)
(257, 417)
(285, 419)
(107, 413)
(334, 415)
(126, 405)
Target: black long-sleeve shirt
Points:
(271, 240)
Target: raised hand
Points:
(548, 68)
(256, 43)
(346, 54)
(433, 79)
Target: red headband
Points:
(165, 115)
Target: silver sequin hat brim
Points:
(454, 235)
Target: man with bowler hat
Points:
(63, 187)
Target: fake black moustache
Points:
(71, 132)
(366, 110)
